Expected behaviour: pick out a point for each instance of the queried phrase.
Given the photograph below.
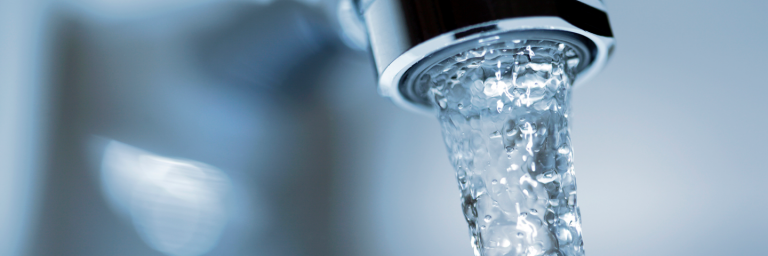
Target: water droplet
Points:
(460, 106)
(520, 234)
(488, 218)
(494, 182)
(546, 177)
(534, 211)
(524, 214)
(499, 106)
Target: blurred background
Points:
(253, 127)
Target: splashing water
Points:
(504, 109)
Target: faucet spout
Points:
(405, 34)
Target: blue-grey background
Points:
(670, 138)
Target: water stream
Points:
(504, 110)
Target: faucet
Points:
(408, 36)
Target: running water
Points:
(504, 109)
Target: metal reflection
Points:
(177, 206)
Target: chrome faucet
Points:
(408, 36)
